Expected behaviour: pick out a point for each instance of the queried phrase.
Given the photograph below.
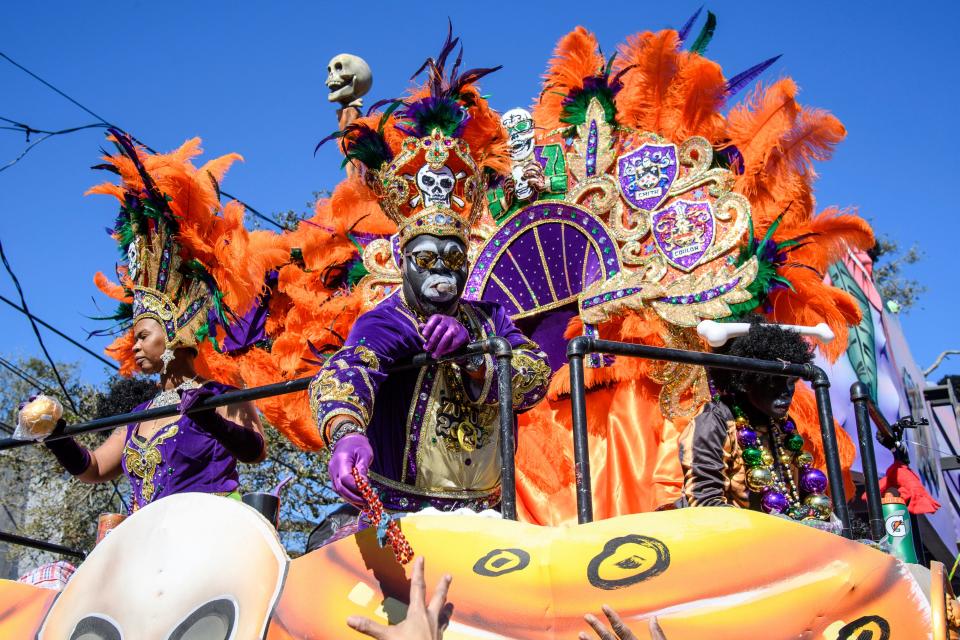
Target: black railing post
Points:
(501, 350)
(576, 349)
(860, 396)
(821, 388)
(23, 541)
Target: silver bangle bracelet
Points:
(343, 429)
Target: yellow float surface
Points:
(708, 573)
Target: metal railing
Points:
(580, 346)
(860, 397)
(496, 346)
(24, 541)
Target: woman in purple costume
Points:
(171, 298)
(184, 453)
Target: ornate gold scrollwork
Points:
(382, 271)
(628, 226)
(696, 153)
(684, 387)
(598, 194)
(729, 207)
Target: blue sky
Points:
(248, 77)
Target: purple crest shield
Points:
(683, 232)
(646, 174)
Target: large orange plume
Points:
(111, 289)
(650, 97)
(215, 236)
(832, 233)
(576, 57)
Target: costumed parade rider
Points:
(743, 448)
(168, 299)
(426, 437)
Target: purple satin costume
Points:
(434, 434)
(179, 458)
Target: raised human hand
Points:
(352, 450)
(423, 622)
(443, 335)
(620, 630)
(189, 398)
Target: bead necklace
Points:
(769, 473)
(373, 510)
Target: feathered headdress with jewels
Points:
(186, 262)
(426, 156)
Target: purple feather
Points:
(685, 29)
(742, 79)
(733, 158)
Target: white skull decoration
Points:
(214, 571)
(436, 185)
(519, 125)
(133, 259)
(349, 78)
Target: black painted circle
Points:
(500, 562)
(865, 628)
(653, 562)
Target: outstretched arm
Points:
(99, 465)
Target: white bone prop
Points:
(717, 333)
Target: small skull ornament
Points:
(133, 259)
(519, 125)
(436, 186)
(348, 78)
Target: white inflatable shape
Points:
(717, 333)
(185, 567)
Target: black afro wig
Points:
(764, 341)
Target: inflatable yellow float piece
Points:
(199, 562)
(709, 573)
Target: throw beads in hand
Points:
(375, 514)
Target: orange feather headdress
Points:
(183, 254)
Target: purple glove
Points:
(245, 444)
(352, 450)
(443, 335)
(72, 457)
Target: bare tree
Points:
(889, 273)
(39, 500)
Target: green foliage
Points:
(38, 499)
(890, 273)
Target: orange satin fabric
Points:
(634, 460)
(634, 454)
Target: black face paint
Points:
(434, 273)
(771, 395)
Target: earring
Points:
(167, 358)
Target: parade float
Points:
(623, 224)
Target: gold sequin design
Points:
(529, 374)
(459, 423)
(327, 388)
(142, 457)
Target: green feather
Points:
(706, 35)
(356, 273)
(575, 112)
